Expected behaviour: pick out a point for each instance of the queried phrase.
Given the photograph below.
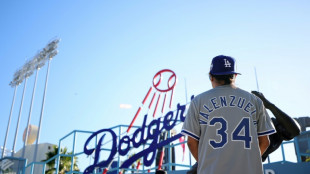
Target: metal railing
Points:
(18, 165)
(301, 145)
(12, 165)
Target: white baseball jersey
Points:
(227, 122)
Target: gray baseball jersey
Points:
(227, 122)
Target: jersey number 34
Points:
(236, 135)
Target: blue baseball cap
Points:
(223, 65)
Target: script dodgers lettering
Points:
(145, 133)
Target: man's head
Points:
(223, 70)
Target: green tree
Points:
(308, 157)
(65, 162)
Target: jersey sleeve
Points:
(264, 123)
(191, 125)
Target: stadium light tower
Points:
(23, 74)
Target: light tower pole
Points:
(28, 71)
(38, 64)
(17, 80)
(52, 54)
(9, 122)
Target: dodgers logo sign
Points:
(147, 134)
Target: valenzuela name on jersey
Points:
(222, 101)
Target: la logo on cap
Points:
(223, 65)
(227, 63)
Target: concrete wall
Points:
(29, 155)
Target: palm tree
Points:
(65, 162)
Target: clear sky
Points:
(110, 50)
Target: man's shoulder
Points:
(244, 92)
(251, 97)
(249, 94)
(204, 94)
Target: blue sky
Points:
(110, 51)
